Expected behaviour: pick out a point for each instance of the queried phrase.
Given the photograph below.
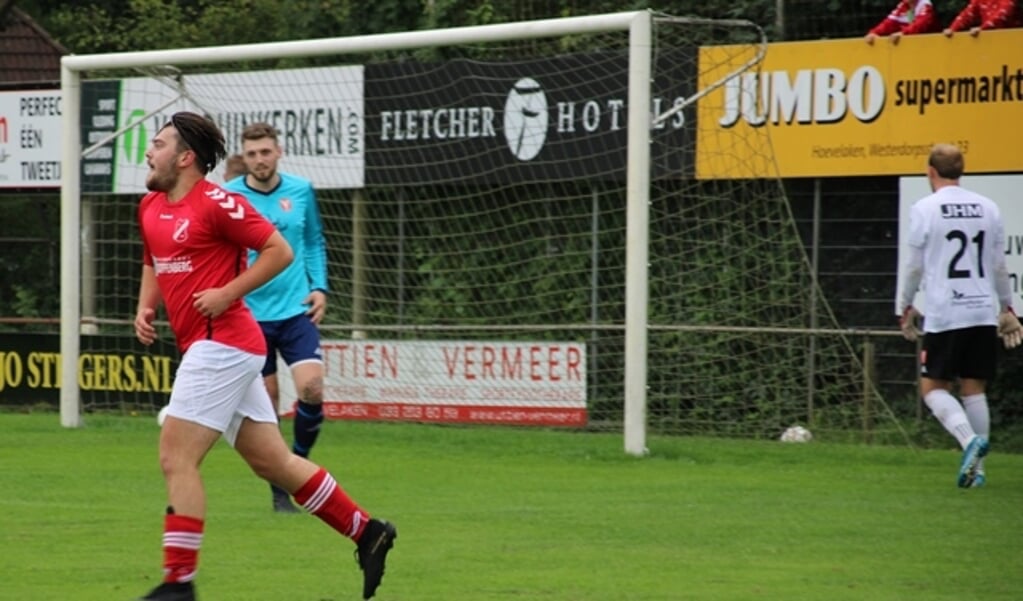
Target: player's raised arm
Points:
(274, 255)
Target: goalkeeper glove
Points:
(1009, 328)
(908, 324)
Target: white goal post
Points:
(638, 27)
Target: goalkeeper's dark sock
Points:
(308, 418)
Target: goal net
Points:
(515, 231)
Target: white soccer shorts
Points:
(218, 386)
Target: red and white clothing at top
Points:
(197, 243)
(909, 17)
(988, 14)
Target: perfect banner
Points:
(846, 108)
(318, 112)
(515, 383)
(30, 139)
(553, 119)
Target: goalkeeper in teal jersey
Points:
(289, 307)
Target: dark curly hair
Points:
(200, 135)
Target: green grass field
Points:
(496, 514)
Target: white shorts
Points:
(218, 386)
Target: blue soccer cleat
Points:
(972, 454)
(979, 480)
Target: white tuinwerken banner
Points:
(318, 113)
(30, 140)
(1004, 190)
(524, 383)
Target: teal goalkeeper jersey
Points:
(291, 207)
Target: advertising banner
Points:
(552, 119)
(318, 112)
(846, 108)
(30, 139)
(112, 370)
(520, 383)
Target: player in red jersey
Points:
(195, 239)
(978, 15)
(907, 18)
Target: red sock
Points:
(322, 497)
(182, 537)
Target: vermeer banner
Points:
(843, 107)
(452, 381)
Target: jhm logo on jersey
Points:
(285, 204)
(962, 211)
(811, 96)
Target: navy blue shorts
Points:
(297, 339)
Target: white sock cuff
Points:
(974, 399)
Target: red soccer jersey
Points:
(988, 14)
(909, 17)
(197, 243)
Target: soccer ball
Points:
(162, 415)
(796, 434)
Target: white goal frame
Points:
(638, 25)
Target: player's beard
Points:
(263, 177)
(161, 181)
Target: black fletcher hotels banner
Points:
(559, 118)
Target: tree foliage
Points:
(130, 25)
(92, 26)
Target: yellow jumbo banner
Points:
(843, 107)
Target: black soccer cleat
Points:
(282, 501)
(376, 540)
(171, 591)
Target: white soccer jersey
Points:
(959, 238)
